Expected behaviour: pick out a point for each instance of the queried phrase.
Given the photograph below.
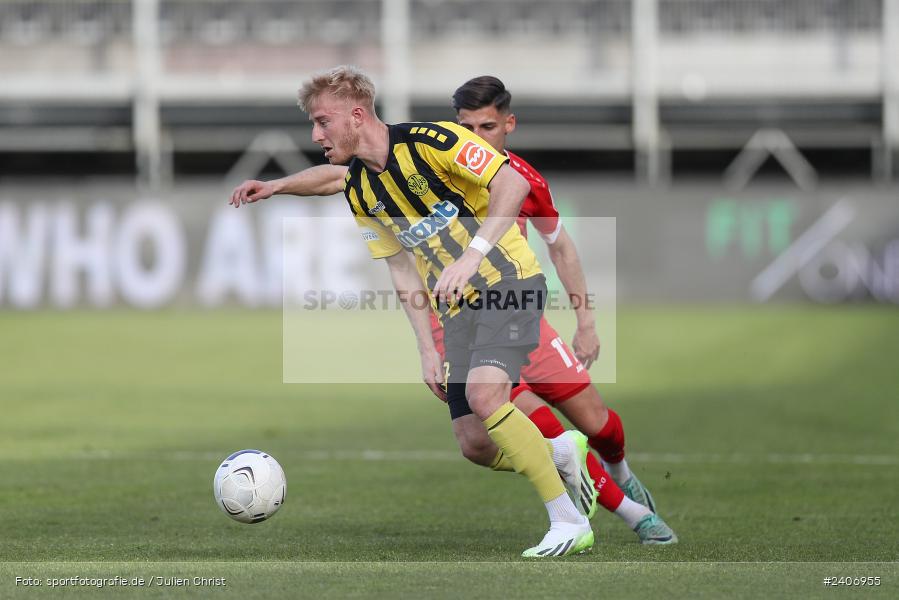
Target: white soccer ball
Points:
(249, 486)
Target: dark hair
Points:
(480, 92)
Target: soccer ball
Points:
(249, 486)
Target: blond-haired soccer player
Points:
(438, 194)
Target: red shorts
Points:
(554, 373)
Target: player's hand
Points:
(432, 373)
(251, 191)
(454, 278)
(586, 345)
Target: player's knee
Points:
(484, 398)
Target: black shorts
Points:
(500, 329)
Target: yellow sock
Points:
(501, 462)
(524, 448)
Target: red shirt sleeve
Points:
(538, 206)
(545, 217)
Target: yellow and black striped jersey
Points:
(431, 199)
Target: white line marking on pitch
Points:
(446, 455)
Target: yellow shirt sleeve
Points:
(381, 241)
(379, 238)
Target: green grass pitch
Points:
(769, 437)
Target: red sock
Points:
(610, 495)
(609, 442)
(547, 422)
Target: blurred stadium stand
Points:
(161, 81)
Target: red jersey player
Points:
(556, 374)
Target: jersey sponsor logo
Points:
(442, 215)
(370, 236)
(376, 208)
(418, 185)
(474, 157)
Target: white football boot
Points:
(563, 539)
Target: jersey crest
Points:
(417, 184)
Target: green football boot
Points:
(653, 530)
(637, 492)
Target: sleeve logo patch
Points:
(473, 157)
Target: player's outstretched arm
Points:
(564, 256)
(322, 180)
(414, 297)
(508, 189)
